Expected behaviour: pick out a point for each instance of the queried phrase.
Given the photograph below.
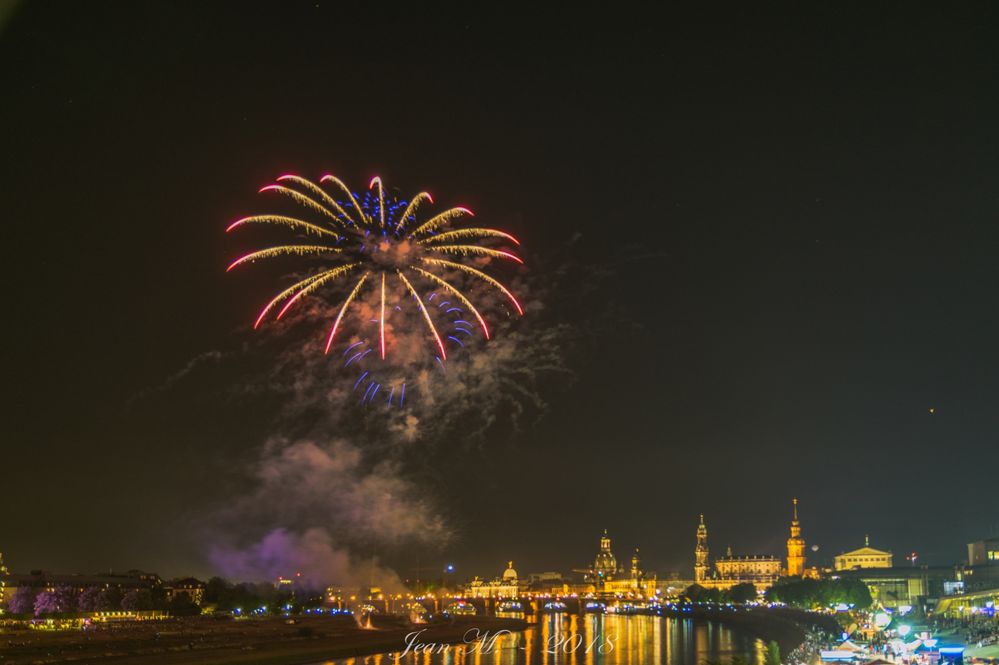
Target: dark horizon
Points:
(786, 223)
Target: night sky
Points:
(792, 216)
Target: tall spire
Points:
(795, 545)
(701, 552)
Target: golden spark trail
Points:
(411, 208)
(346, 303)
(316, 189)
(475, 250)
(308, 202)
(468, 233)
(426, 314)
(353, 199)
(315, 284)
(440, 218)
(281, 220)
(457, 294)
(476, 273)
(284, 294)
(300, 250)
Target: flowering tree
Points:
(90, 599)
(23, 600)
(68, 598)
(45, 603)
(61, 599)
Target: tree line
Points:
(739, 593)
(294, 598)
(809, 593)
(794, 591)
(219, 594)
(68, 600)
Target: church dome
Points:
(605, 564)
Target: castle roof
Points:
(866, 551)
(747, 557)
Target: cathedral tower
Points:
(795, 547)
(701, 553)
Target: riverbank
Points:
(788, 627)
(205, 641)
(279, 641)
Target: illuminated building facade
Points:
(865, 557)
(633, 583)
(761, 570)
(984, 552)
(43, 581)
(968, 605)
(508, 585)
(607, 578)
(982, 571)
(906, 586)
(194, 589)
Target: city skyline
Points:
(563, 334)
(759, 263)
(814, 558)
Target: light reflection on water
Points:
(562, 639)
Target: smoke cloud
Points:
(312, 557)
(313, 504)
(334, 486)
(483, 386)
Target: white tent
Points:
(850, 646)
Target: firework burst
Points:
(381, 253)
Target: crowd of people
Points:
(808, 650)
(978, 631)
(981, 631)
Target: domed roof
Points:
(509, 573)
(605, 563)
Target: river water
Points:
(592, 639)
